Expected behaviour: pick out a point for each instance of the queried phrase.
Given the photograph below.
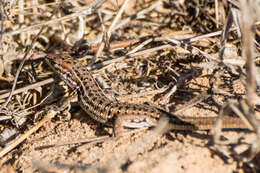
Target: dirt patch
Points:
(160, 53)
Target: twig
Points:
(19, 70)
(22, 63)
(32, 86)
(81, 141)
(109, 32)
(27, 134)
(138, 15)
(2, 20)
(248, 51)
(86, 11)
(185, 43)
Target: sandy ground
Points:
(146, 150)
(142, 151)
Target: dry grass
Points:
(173, 54)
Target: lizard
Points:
(98, 106)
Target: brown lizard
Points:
(94, 102)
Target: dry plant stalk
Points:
(162, 49)
(248, 19)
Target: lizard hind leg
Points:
(132, 122)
